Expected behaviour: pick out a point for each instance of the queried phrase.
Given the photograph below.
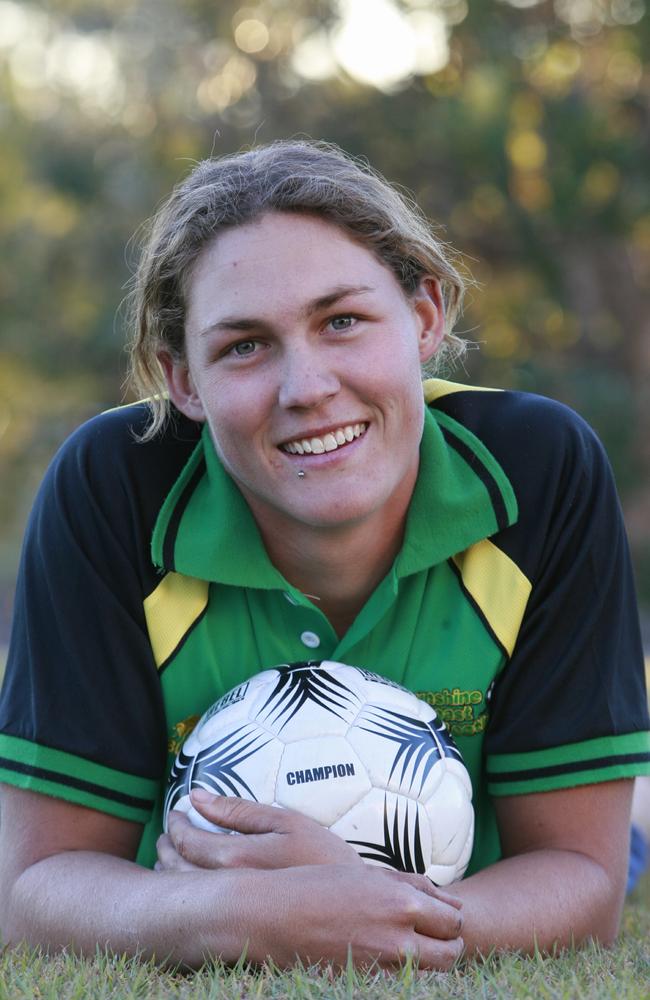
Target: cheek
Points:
(239, 433)
(396, 357)
(229, 407)
(397, 373)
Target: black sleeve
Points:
(81, 711)
(570, 705)
(577, 669)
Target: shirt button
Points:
(310, 639)
(290, 599)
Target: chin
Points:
(341, 517)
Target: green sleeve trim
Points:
(605, 759)
(75, 795)
(571, 752)
(614, 772)
(26, 752)
(55, 772)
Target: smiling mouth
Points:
(328, 442)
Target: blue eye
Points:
(341, 323)
(244, 348)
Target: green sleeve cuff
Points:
(605, 759)
(54, 772)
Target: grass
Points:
(619, 973)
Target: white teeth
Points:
(329, 442)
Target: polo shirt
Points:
(145, 593)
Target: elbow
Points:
(604, 908)
(608, 926)
(605, 930)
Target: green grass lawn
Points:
(620, 972)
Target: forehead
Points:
(280, 259)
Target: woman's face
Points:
(303, 355)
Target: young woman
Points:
(291, 491)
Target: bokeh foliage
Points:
(528, 140)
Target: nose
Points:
(307, 380)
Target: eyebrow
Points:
(316, 305)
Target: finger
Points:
(446, 897)
(430, 953)
(425, 885)
(201, 848)
(177, 822)
(437, 919)
(433, 915)
(239, 814)
(168, 857)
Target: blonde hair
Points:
(284, 176)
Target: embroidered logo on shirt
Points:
(180, 732)
(459, 709)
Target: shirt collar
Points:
(462, 495)
(205, 528)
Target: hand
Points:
(271, 838)
(318, 912)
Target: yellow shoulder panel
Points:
(498, 586)
(434, 388)
(171, 610)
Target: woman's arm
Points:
(67, 880)
(562, 879)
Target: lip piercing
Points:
(301, 474)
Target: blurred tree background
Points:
(521, 126)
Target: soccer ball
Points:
(353, 750)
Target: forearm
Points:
(543, 899)
(81, 900)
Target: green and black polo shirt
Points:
(145, 593)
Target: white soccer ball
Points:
(353, 750)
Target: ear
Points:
(180, 384)
(430, 312)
